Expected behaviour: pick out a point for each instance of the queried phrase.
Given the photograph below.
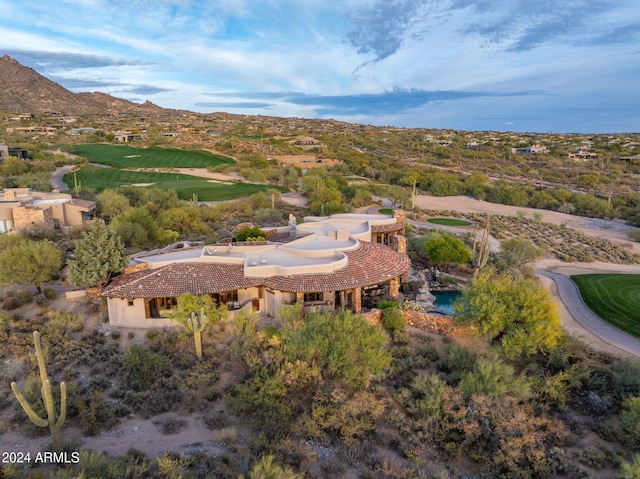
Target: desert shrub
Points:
(171, 424)
(251, 234)
(350, 417)
(393, 319)
(596, 457)
(133, 464)
(58, 322)
(387, 303)
(263, 398)
(492, 377)
(11, 303)
(631, 470)
(49, 293)
(267, 468)
(401, 338)
(454, 361)
(216, 419)
(142, 369)
(630, 419)
(94, 413)
(226, 436)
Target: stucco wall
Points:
(125, 316)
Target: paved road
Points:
(570, 296)
(56, 179)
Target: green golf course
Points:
(613, 297)
(117, 157)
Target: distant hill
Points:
(23, 90)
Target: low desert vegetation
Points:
(334, 396)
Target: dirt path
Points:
(137, 433)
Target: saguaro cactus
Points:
(54, 421)
(481, 250)
(196, 324)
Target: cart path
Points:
(598, 330)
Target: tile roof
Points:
(385, 228)
(372, 263)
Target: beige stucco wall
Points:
(125, 316)
(73, 215)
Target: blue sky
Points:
(509, 65)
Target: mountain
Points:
(23, 90)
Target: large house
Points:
(342, 261)
(22, 209)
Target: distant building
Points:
(37, 130)
(22, 209)
(583, 156)
(529, 150)
(628, 159)
(6, 151)
(306, 142)
(126, 136)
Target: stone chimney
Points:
(399, 216)
(399, 244)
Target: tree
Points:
(31, 262)
(444, 249)
(98, 255)
(518, 316)
(346, 349)
(516, 252)
(137, 227)
(111, 203)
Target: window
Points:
(309, 297)
(130, 302)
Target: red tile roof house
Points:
(324, 263)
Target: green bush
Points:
(387, 303)
(142, 369)
(251, 234)
(49, 293)
(393, 319)
(630, 419)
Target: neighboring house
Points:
(6, 151)
(628, 159)
(306, 142)
(528, 150)
(341, 261)
(583, 156)
(22, 209)
(38, 130)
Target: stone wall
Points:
(32, 218)
(432, 323)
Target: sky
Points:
(507, 65)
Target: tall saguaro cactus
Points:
(481, 250)
(196, 324)
(54, 421)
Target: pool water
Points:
(445, 299)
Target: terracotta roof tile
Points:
(372, 263)
(397, 226)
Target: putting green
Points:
(448, 222)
